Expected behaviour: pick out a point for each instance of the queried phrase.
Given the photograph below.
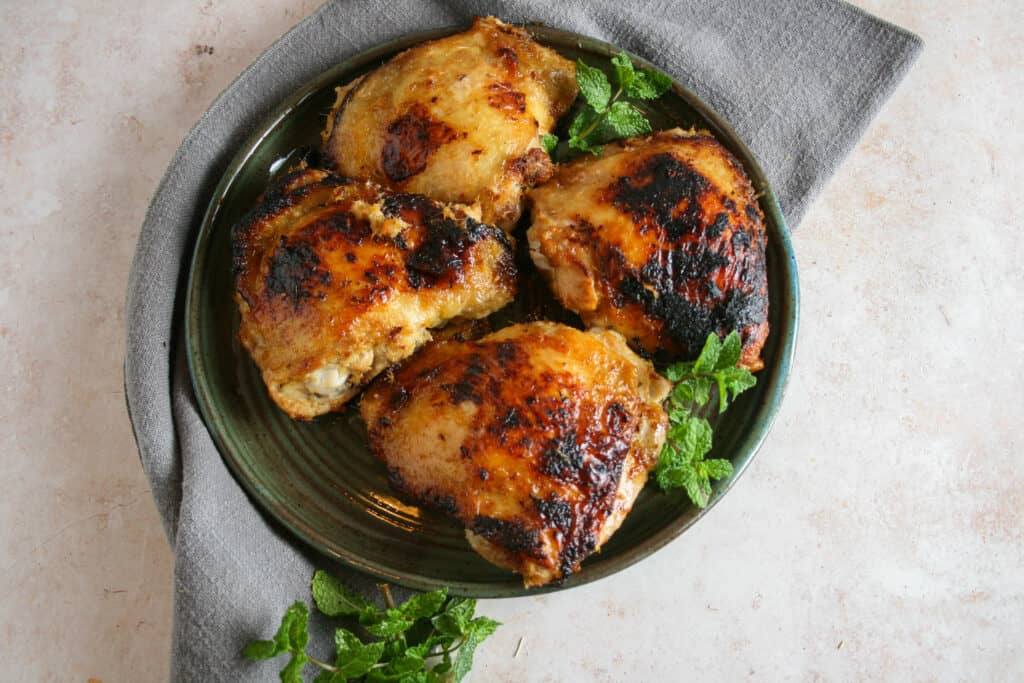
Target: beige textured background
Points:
(879, 534)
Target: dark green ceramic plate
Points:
(319, 479)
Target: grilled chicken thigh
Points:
(537, 437)
(458, 119)
(660, 238)
(338, 279)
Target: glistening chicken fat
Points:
(338, 279)
(458, 119)
(537, 438)
(660, 238)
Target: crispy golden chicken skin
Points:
(660, 238)
(537, 437)
(458, 119)
(338, 279)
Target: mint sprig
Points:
(430, 638)
(681, 463)
(605, 116)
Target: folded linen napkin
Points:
(799, 80)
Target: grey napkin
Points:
(798, 79)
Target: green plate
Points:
(319, 478)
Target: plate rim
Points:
(750, 443)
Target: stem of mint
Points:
(597, 122)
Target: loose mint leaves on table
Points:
(605, 116)
(430, 638)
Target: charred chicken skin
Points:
(458, 119)
(660, 238)
(537, 437)
(338, 279)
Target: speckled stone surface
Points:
(878, 535)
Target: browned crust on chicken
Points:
(338, 279)
(457, 119)
(537, 437)
(660, 238)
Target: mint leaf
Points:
(425, 604)
(694, 438)
(670, 478)
(291, 635)
(432, 622)
(723, 400)
(584, 146)
(394, 647)
(583, 132)
(437, 639)
(421, 650)
(371, 614)
(463, 661)
(362, 662)
(261, 649)
(641, 84)
(605, 117)
(456, 617)
(684, 392)
(733, 382)
(661, 82)
(444, 665)
(737, 380)
(682, 438)
(702, 437)
(417, 677)
(699, 490)
(677, 413)
(590, 130)
(335, 599)
(702, 390)
(718, 468)
(624, 72)
(292, 672)
(402, 669)
(407, 663)
(484, 626)
(594, 86)
(626, 120)
(708, 357)
(729, 354)
(446, 624)
(681, 463)
(390, 627)
(354, 657)
(648, 85)
(550, 143)
(677, 371)
(461, 608)
(583, 120)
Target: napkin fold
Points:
(799, 80)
